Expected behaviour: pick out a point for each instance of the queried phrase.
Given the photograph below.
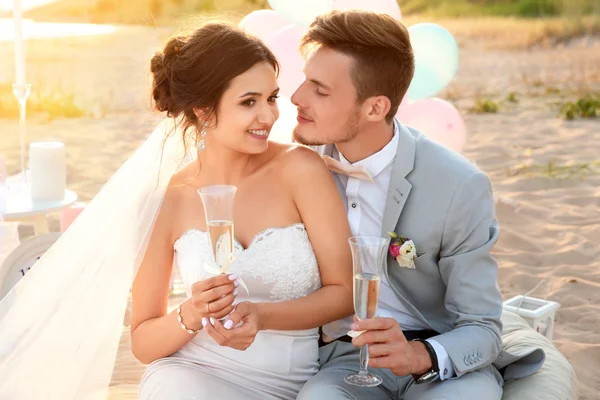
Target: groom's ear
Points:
(376, 108)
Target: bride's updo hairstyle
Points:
(194, 71)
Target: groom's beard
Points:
(348, 132)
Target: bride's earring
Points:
(201, 145)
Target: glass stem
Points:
(364, 359)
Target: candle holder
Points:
(22, 92)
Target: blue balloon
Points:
(436, 59)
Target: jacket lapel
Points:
(396, 199)
(399, 186)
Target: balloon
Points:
(437, 119)
(404, 109)
(284, 126)
(436, 59)
(379, 6)
(302, 13)
(285, 45)
(263, 24)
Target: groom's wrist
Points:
(422, 360)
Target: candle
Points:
(19, 43)
(48, 171)
(3, 188)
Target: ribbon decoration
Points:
(212, 268)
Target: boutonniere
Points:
(403, 250)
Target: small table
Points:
(19, 207)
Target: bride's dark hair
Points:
(194, 71)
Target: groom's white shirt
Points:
(366, 205)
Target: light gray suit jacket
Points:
(445, 205)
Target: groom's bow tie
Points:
(347, 169)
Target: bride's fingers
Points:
(217, 306)
(243, 336)
(230, 338)
(214, 333)
(223, 313)
(203, 301)
(238, 315)
(220, 327)
(246, 332)
(239, 339)
(218, 292)
(213, 282)
(224, 335)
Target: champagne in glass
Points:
(218, 212)
(366, 294)
(220, 233)
(368, 258)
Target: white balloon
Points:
(263, 24)
(379, 6)
(301, 12)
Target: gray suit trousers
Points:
(339, 359)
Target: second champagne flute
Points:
(368, 258)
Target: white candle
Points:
(48, 171)
(19, 43)
(3, 188)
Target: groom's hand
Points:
(388, 348)
(228, 333)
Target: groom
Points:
(438, 329)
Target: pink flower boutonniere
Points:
(403, 250)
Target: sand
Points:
(541, 167)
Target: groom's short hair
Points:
(384, 62)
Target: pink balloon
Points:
(437, 119)
(263, 24)
(285, 44)
(404, 109)
(380, 6)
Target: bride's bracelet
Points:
(183, 326)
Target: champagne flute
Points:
(218, 212)
(368, 258)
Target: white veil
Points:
(60, 325)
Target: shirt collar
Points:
(377, 162)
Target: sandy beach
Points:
(545, 170)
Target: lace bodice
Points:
(279, 264)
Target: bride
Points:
(59, 327)
(291, 236)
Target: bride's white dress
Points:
(279, 264)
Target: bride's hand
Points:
(213, 297)
(228, 334)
